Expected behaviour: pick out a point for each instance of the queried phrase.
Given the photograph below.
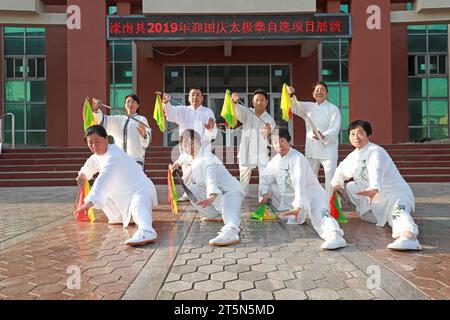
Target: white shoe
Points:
(142, 237)
(334, 242)
(404, 243)
(183, 198)
(227, 235)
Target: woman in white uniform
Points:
(378, 191)
(290, 183)
(130, 132)
(121, 190)
(221, 193)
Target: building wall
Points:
(150, 75)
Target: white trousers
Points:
(226, 206)
(140, 209)
(329, 167)
(398, 212)
(245, 174)
(324, 224)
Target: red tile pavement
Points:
(40, 267)
(428, 270)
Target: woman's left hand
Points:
(142, 131)
(84, 207)
(368, 193)
(207, 202)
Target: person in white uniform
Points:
(130, 135)
(121, 190)
(296, 192)
(196, 117)
(378, 191)
(257, 124)
(327, 118)
(221, 194)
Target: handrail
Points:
(13, 127)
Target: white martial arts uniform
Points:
(125, 133)
(121, 190)
(372, 168)
(253, 149)
(327, 118)
(187, 117)
(291, 184)
(209, 176)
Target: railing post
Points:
(13, 128)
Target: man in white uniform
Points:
(130, 135)
(121, 190)
(293, 188)
(196, 117)
(257, 124)
(327, 118)
(378, 191)
(221, 194)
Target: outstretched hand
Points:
(368, 193)
(206, 202)
(210, 124)
(294, 212)
(84, 207)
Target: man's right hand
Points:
(291, 90)
(95, 104)
(339, 190)
(235, 97)
(165, 98)
(174, 166)
(80, 179)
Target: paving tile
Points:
(300, 284)
(239, 285)
(269, 285)
(289, 294)
(176, 286)
(280, 275)
(190, 295)
(256, 294)
(330, 284)
(223, 294)
(252, 275)
(224, 276)
(322, 294)
(194, 277)
(208, 285)
(264, 267)
(211, 268)
(309, 275)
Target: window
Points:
(24, 84)
(428, 100)
(121, 73)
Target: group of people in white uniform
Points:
(288, 179)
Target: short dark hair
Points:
(95, 129)
(196, 88)
(361, 123)
(190, 134)
(320, 83)
(133, 96)
(281, 133)
(260, 91)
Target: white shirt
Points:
(293, 179)
(187, 117)
(253, 147)
(119, 179)
(327, 118)
(209, 172)
(372, 168)
(136, 145)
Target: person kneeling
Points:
(290, 183)
(378, 191)
(121, 190)
(222, 194)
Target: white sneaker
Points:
(404, 243)
(334, 242)
(227, 235)
(183, 198)
(142, 237)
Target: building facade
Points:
(392, 70)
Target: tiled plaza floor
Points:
(44, 252)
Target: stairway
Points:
(59, 166)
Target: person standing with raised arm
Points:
(131, 132)
(326, 117)
(257, 125)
